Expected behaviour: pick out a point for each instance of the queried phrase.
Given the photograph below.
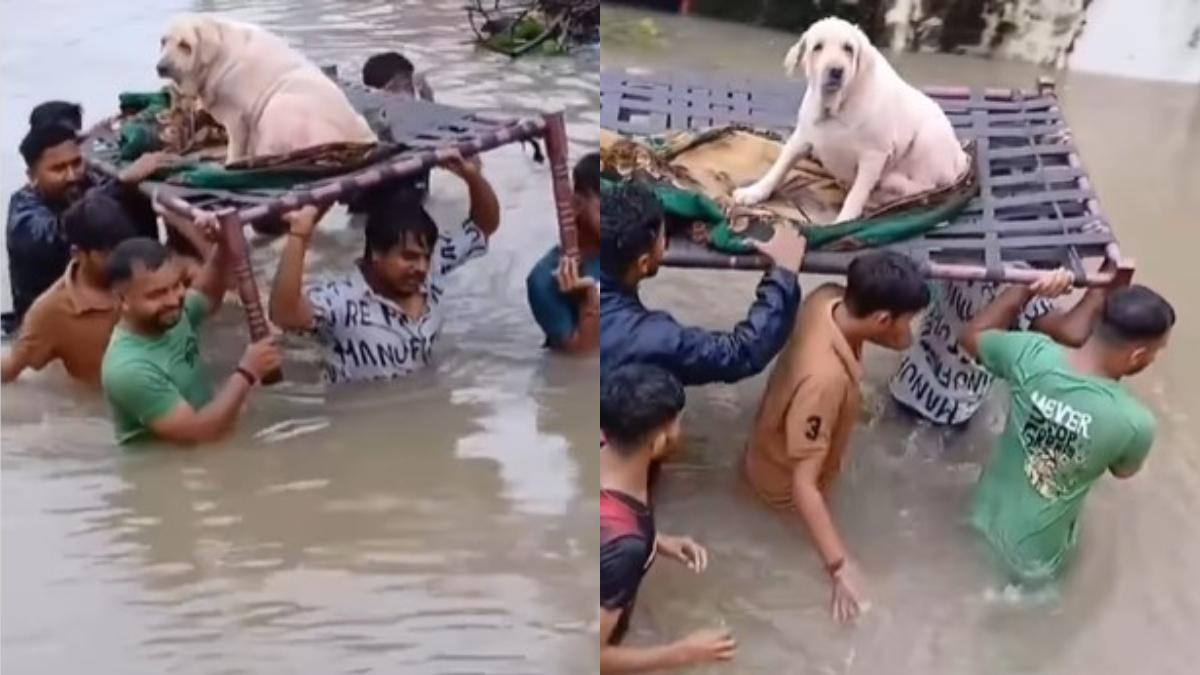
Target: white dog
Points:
(268, 96)
(868, 127)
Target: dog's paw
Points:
(749, 196)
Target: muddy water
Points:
(441, 525)
(1129, 605)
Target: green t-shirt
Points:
(1064, 431)
(146, 378)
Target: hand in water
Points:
(849, 593)
(707, 646)
(685, 550)
(261, 358)
(568, 277)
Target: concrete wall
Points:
(1155, 39)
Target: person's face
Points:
(587, 211)
(1141, 357)
(647, 265)
(667, 440)
(405, 267)
(59, 173)
(891, 331)
(154, 298)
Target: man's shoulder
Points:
(53, 303)
(21, 200)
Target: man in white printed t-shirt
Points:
(381, 320)
(938, 383)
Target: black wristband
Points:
(250, 378)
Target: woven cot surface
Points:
(418, 127)
(1035, 202)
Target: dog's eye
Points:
(818, 47)
(185, 47)
(848, 48)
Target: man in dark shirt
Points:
(640, 406)
(38, 252)
(632, 242)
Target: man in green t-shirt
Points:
(152, 374)
(1070, 420)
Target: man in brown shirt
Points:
(811, 403)
(73, 320)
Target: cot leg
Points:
(560, 174)
(233, 235)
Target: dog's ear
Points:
(864, 53)
(796, 56)
(208, 38)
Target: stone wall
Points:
(1045, 32)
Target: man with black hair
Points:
(38, 253)
(73, 320)
(381, 320)
(152, 374)
(393, 72)
(811, 403)
(632, 243)
(561, 290)
(640, 407)
(57, 112)
(1070, 421)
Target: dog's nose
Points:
(836, 73)
(162, 70)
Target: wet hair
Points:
(149, 254)
(97, 222)
(585, 177)
(42, 138)
(631, 220)
(57, 112)
(636, 401)
(1134, 314)
(885, 281)
(393, 218)
(384, 67)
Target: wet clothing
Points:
(365, 336)
(38, 252)
(1064, 432)
(145, 378)
(627, 545)
(936, 380)
(65, 324)
(557, 313)
(631, 333)
(810, 405)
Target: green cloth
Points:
(144, 379)
(865, 233)
(1064, 432)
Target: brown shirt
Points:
(810, 404)
(68, 324)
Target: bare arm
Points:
(289, 309)
(586, 338)
(186, 426)
(810, 502)
(34, 347)
(485, 207)
(1073, 327)
(999, 315)
(618, 659)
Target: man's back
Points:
(1065, 430)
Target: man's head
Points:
(400, 236)
(389, 71)
(585, 178)
(53, 161)
(632, 232)
(885, 291)
(1134, 327)
(148, 282)
(57, 112)
(94, 226)
(640, 409)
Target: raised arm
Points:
(289, 308)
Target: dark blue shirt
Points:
(631, 333)
(556, 312)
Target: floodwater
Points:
(445, 524)
(1130, 605)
